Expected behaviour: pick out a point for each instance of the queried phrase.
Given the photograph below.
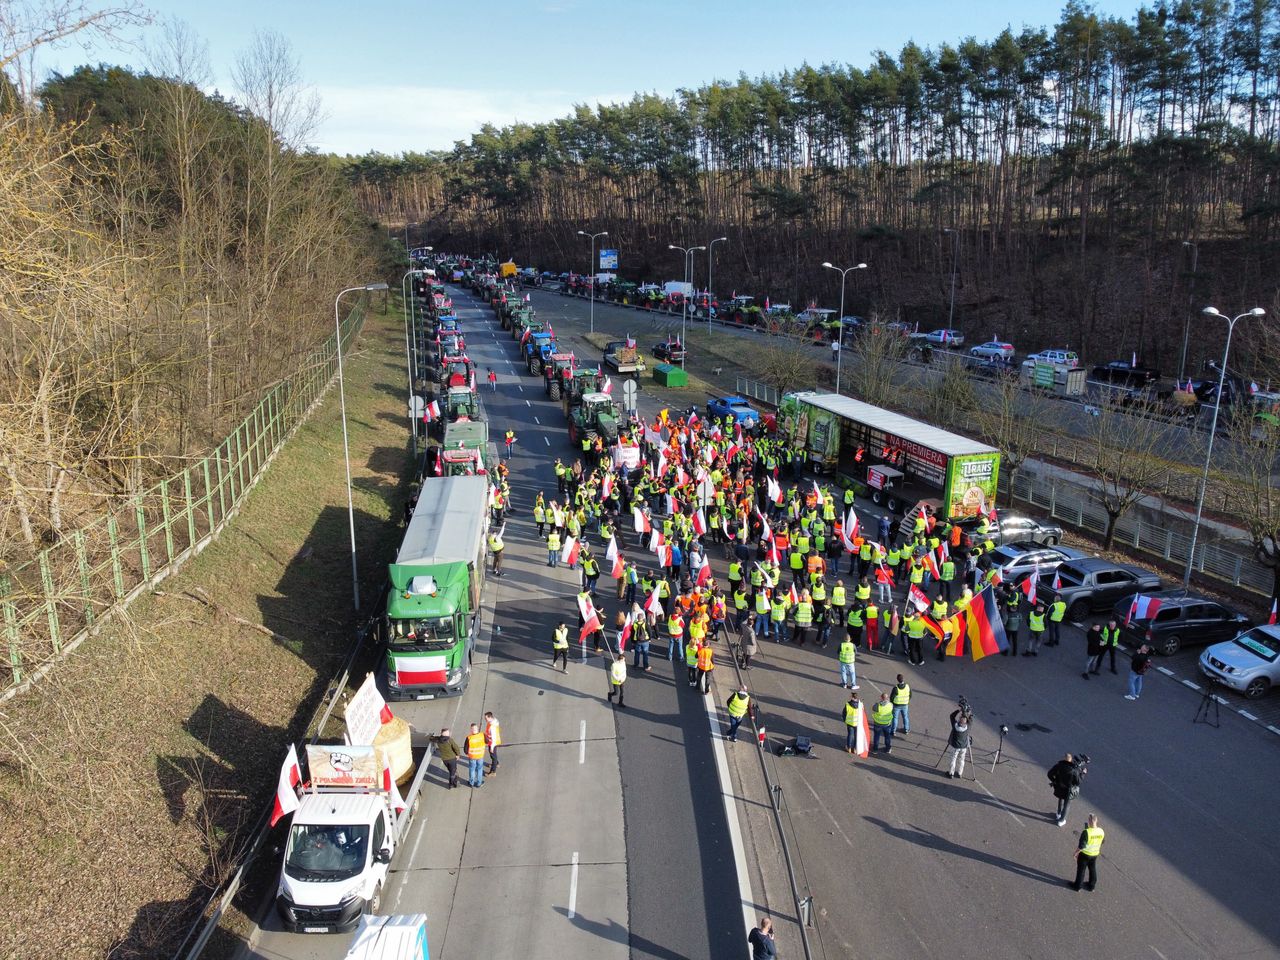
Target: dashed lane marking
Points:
(582, 742)
(573, 887)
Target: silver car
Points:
(1249, 664)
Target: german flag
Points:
(985, 629)
(948, 633)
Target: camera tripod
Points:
(998, 756)
(1207, 712)
(973, 773)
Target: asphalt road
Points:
(603, 834)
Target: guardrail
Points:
(49, 605)
(754, 390)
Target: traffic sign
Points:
(629, 394)
(608, 259)
(416, 406)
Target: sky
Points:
(395, 76)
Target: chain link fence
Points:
(50, 604)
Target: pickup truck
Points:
(1095, 583)
(623, 357)
(342, 840)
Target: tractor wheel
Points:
(554, 391)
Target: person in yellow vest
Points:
(847, 655)
(706, 663)
(804, 618)
(851, 714)
(553, 548)
(913, 626)
(495, 550)
(1110, 640)
(540, 513)
(691, 661)
(863, 590)
(475, 756)
(560, 646)
(854, 622)
(738, 706)
(675, 631)
(882, 724)
(1035, 621)
(778, 616)
(492, 740)
(1057, 612)
(1088, 849)
(900, 697)
(763, 605)
(872, 613)
(617, 677)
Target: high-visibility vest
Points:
(560, 641)
(778, 610)
(837, 596)
(539, 514)
(735, 572)
(862, 591)
(948, 570)
(1057, 610)
(915, 628)
(493, 733)
(815, 563)
(757, 577)
(553, 541)
(901, 695)
(848, 497)
(691, 655)
(804, 613)
(917, 573)
(1110, 636)
(852, 714)
(475, 746)
(848, 652)
(590, 568)
(739, 600)
(762, 603)
(855, 617)
(882, 714)
(495, 543)
(1037, 622)
(873, 612)
(618, 672)
(675, 625)
(865, 553)
(1093, 837)
(938, 609)
(697, 631)
(895, 557)
(704, 658)
(738, 705)
(802, 544)
(818, 592)
(797, 560)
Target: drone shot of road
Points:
(872, 552)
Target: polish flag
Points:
(1272, 618)
(693, 419)
(817, 492)
(848, 543)
(656, 540)
(616, 573)
(704, 572)
(673, 505)
(590, 618)
(662, 461)
(608, 386)
(625, 636)
(287, 789)
(1142, 608)
(570, 552)
(774, 490)
(384, 712)
(642, 524)
(862, 741)
(1057, 580)
(664, 556)
(417, 670)
(918, 598)
(393, 792)
(932, 566)
(699, 522)
(944, 553)
(611, 552)
(732, 451)
(772, 554)
(606, 487)
(654, 603)
(432, 412)
(793, 595)
(766, 531)
(524, 337)
(1028, 585)
(883, 575)
(851, 524)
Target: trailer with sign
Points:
(897, 459)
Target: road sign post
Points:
(629, 395)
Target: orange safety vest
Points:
(475, 746)
(493, 734)
(816, 564)
(704, 658)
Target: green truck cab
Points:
(433, 605)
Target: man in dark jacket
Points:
(449, 752)
(1094, 650)
(1064, 776)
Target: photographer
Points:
(958, 739)
(1065, 777)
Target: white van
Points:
(1059, 358)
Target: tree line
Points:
(1090, 182)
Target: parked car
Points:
(1095, 583)
(1121, 373)
(1181, 619)
(1016, 529)
(993, 350)
(737, 407)
(1059, 358)
(1250, 663)
(1017, 560)
(671, 351)
(948, 338)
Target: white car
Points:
(942, 338)
(1059, 358)
(993, 350)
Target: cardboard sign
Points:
(340, 765)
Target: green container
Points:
(670, 376)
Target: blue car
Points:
(737, 407)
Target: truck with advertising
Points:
(897, 459)
(348, 828)
(433, 604)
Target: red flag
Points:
(732, 451)
(389, 785)
(699, 522)
(772, 555)
(590, 618)
(642, 524)
(693, 419)
(570, 552)
(287, 788)
(704, 572)
(616, 573)
(654, 603)
(1272, 618)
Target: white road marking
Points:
(546, 441)
(537, 421)
(573, 887)
(731, 815)
(1273, 729)
(1166, 671)
(521, 388)
(1188, 683)
(1246, 714)
(528, 404)
(1157, 952)
(582, 742)
(995, 798)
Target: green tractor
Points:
(557, 374)
(595, 417)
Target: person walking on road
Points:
(706, 663)
(847, 654)
(509, 441)
(1064, 776)
(1088, 849)
(761, 941)
(493, 380)
(1093, 650)
(475, 756)
(1111, 640)
(957, 743)
(738, 706)
(1035, 620)
(1057, 613)
(492, 739)
(747, 644)
(449, 752)
(495, 550)
(640, 638)
(617, 677)
(900, 697)
(851, 714)
(882, 724)
(1138, 668)
(560, 646)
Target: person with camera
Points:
(958, 740)
(761, 941)
(1065, 777)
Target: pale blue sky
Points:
(396, 76)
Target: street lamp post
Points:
(710, 247)
(1186, 323)
(1213, 429)
(840, 320)
(687, 253)
(591, 270)
(955, 258)
(346, 450)
(410, 308)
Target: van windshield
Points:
(433, 633)
(326, 852)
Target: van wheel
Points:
(1257, 687)
(1170, 645)
(374, 906)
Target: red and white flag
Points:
(662, 461)
(611, 551)
(432, 412)
(732, 452)
(590, 618)
(673, 505)
(817, 492)
(851, 525)
(1143, 608)
(618, 567)
(389, 785)
(1028, 585)
(524, 337)
(606, 486)
(693, 418)
(699, 522)
(774, 490)
(608, 386)
(1057, 580)
(1272, 618)
(664, 556)
(918, 598)
(642, 524)
(862, 741)
(704, 572)
(570, 552)
(793, 595)
(287, 788)
(772, 554)
(656, 540)
(883, 575)
(932, 566)
(624, 636)
(654, 603)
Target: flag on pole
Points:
(608, 385)
(772, 554)
(606, 486)
(1272, 618)
(774, 490)
(851, 525)
(766, 531)
(569, 554)
(862, 739)
(793, 595)
(654, 603)
(984, 627)
(611, 551)
(932, 566)
(664, 556)
(656, 540)
(389, 785)
(625, 635)
(618, 567)
(1057, 581)
(590, 618)
(524, 337)
(918, 598)
(704, 572)
(432, 412)
(1028, 586)
(287, 789)
(699, 522)
(642, 524)
(693, 419)
(1142, 608)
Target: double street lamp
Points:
(687, 253)
(346, 450)
(1213, 429)
(710, 247)
(591, 271)
(844, 273)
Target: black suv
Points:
(1096, 584)
(1181, 619)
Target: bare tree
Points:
(946, 393)
(1014, 419)
(786, 363)
(1128, 450)
(25, 27)
(877, 354)
(1251, 471)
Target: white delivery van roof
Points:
(390, 938)
(337, 809)
(935, 438)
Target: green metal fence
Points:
(51, 603)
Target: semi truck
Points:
(433, 603)
(349, 826)
(897, 459)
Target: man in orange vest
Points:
(492, 739)
(705, 666)
(475, 756)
